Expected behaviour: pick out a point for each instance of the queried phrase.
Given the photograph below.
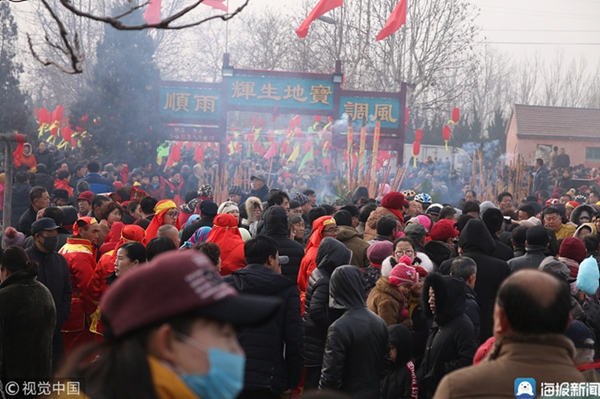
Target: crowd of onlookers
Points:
(400, 296)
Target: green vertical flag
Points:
(307, 157)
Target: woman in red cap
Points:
(165, 212)
(392, 205)
(324, 226)
(226, 235)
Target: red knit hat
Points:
(443, 229)
(393, 200)
(378, 251)
(402, 273)
(572, 248)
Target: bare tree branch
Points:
(72, 48)
(72, 51)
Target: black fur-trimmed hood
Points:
(450, 297)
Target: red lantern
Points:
(447, 133)
(66, 133)
(43, 116)
(416, 147)
(57, 115)
(419, 135)
(455, 115)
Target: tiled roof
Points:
(557, 121)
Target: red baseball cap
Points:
(179, 282)
(81, 223)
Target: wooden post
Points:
(9, 138)
(8, 185)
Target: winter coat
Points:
(357, 342)
(401, 380)
(545, 358)
(274, 351)
(26, 220)
(98, 184)
(262, 193)
(386, 301)
(518, 251)
(351, 239)
(276, 227)
(478, 244)
(63, 185)
(576, 214)
(44, 180)
(80, 257)
(189, 231)
(502, 251)
(534, 255)
(28, 318)
(53, 272)
(174, 192)
(439, 251)
(540, 180)
(20, 202)
(46, 158)
(371, 225)
(318, 316)
(157, 192)
(472, 310)
(452, 342)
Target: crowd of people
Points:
(142, 285)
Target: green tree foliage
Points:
(14, 113)
(120, 102)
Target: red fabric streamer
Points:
(395, 21)
(19, 151)
(199, 154)
(323, 7)
(152, 14)
(216, 4)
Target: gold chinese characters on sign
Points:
(319, 93)
(360, 111)
(177, 102)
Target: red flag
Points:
(322, 8)
(152, 14)
(395, 21)
(216, 4)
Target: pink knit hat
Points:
(402, 273)
(422, 220)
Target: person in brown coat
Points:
(530, 316)
(391, 205)
(388, 298)
(351, 239)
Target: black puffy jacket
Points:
(274, 350)
(357, 342)
(276, 227)
(400, 382)
(534, 255)
(318, 316)
(477, 243)
(20, 202)
(452, 342)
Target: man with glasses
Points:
(553, 220)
